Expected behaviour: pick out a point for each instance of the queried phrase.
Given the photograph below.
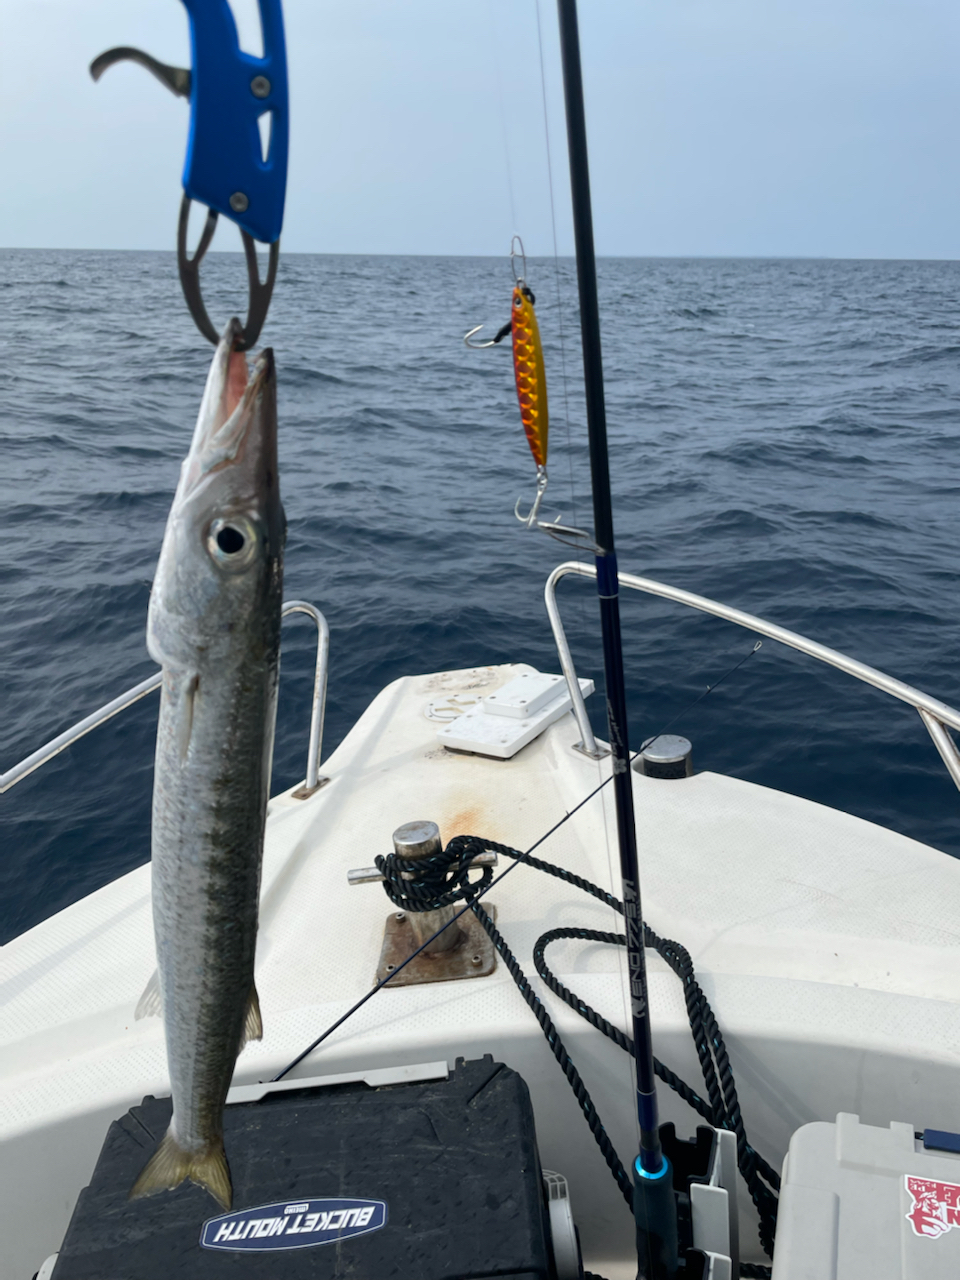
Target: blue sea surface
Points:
(784, 437)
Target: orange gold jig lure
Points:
(530, 374)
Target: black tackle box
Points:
(438, 1180)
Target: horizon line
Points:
(569, 257)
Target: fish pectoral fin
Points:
(172, 1164)
(150, 1005)
(185, 717)
(252, 1023)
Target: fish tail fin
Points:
(171, 1164)
(252, 1023)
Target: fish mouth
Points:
(231, 412)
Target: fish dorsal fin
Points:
(150, 1005)
(253, 1023)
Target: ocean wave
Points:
(782, 437)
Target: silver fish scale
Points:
(215, 627)
(208, 818)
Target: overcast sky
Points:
(717, 127)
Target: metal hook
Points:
(514, 254)
(530, 519)
(260, 291)
(562, 532)
(477, 346)
(565, 533)
(176, 79)
(501, 334)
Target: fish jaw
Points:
(223, 543)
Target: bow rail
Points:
(936, 715)
(313, 779)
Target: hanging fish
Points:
(529, 372)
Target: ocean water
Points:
(784, 435)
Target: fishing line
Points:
(556, 268)
(496, 879)
(503, 118)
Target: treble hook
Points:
(564, 533)
(530, 519)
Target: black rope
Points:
(443, 879)
(722, 1106)
(614, 1163)
(438, 880)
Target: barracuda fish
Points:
(214, 626)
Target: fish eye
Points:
(231, 541)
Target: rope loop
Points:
(721, 1107)
(439, 880)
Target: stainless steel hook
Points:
(477, 345)
(501, 334)
(530, 519)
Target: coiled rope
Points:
(444, 878)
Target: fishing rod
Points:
(655, 1210)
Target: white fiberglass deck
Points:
(827, 946)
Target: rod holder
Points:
(666, 756)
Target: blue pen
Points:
(230, 93)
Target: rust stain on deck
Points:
(469, 820)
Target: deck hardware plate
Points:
(443, 966)
(524, 695)
(501, 732)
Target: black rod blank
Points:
(651, 1158)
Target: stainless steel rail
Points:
(935, 715)
(319, 702)
(107, 712)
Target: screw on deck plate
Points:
(260, 87)
(239, 202)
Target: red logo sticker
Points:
(936, 1206)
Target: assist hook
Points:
(236, 100)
